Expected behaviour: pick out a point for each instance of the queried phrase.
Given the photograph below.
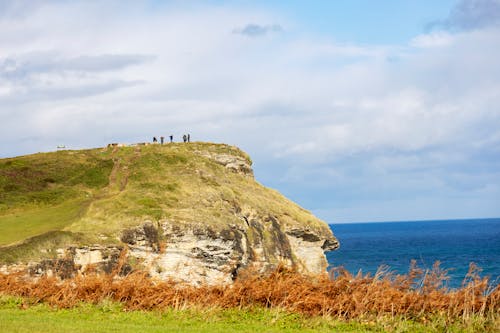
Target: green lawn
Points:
(103, 319)
(25, 224)
(110, 317)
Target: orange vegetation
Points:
(415, 295)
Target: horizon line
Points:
(423, 220)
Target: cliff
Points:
(189, 212)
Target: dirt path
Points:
(116, 167)
(126, 173)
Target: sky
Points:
(358, 110)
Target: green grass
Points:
(42, 246)
(21, 225)
(50, 178)
(110, 317)
(46, 192)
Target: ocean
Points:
(455, 243)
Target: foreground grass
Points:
(15, 316)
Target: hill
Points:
(192, 212)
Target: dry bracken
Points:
(417, 295)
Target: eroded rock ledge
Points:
(195, 254)
(233, 163)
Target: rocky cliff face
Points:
(246, 234)
(195, 255)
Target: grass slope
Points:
(33, 222)
(46, 192)
(95, 194)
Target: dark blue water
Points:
(455, 243)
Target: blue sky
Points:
(357, 110)
(363, 21)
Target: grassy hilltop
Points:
(84, 197)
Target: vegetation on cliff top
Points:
(85, 197)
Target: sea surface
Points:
(455, 243)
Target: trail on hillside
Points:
(126, 171)
(116, 168)
(118, 178)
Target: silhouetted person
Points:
(189, 138)
(161, 139)
(184, 138)
(154, 139)
(171, 138)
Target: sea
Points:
(455, 243)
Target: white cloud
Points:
(256, 30)
(84, 74)
(434, 39)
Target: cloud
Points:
(45, 62)
(46, 76)
(105, 62)
(471, 14)
(332, 125)
(434, 39)
(256, 30)
(18, 8)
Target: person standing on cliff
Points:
(189, 138)
(154, 139)
(171, 138)
(162, 139)
(184, 138)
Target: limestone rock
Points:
(234, 163)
